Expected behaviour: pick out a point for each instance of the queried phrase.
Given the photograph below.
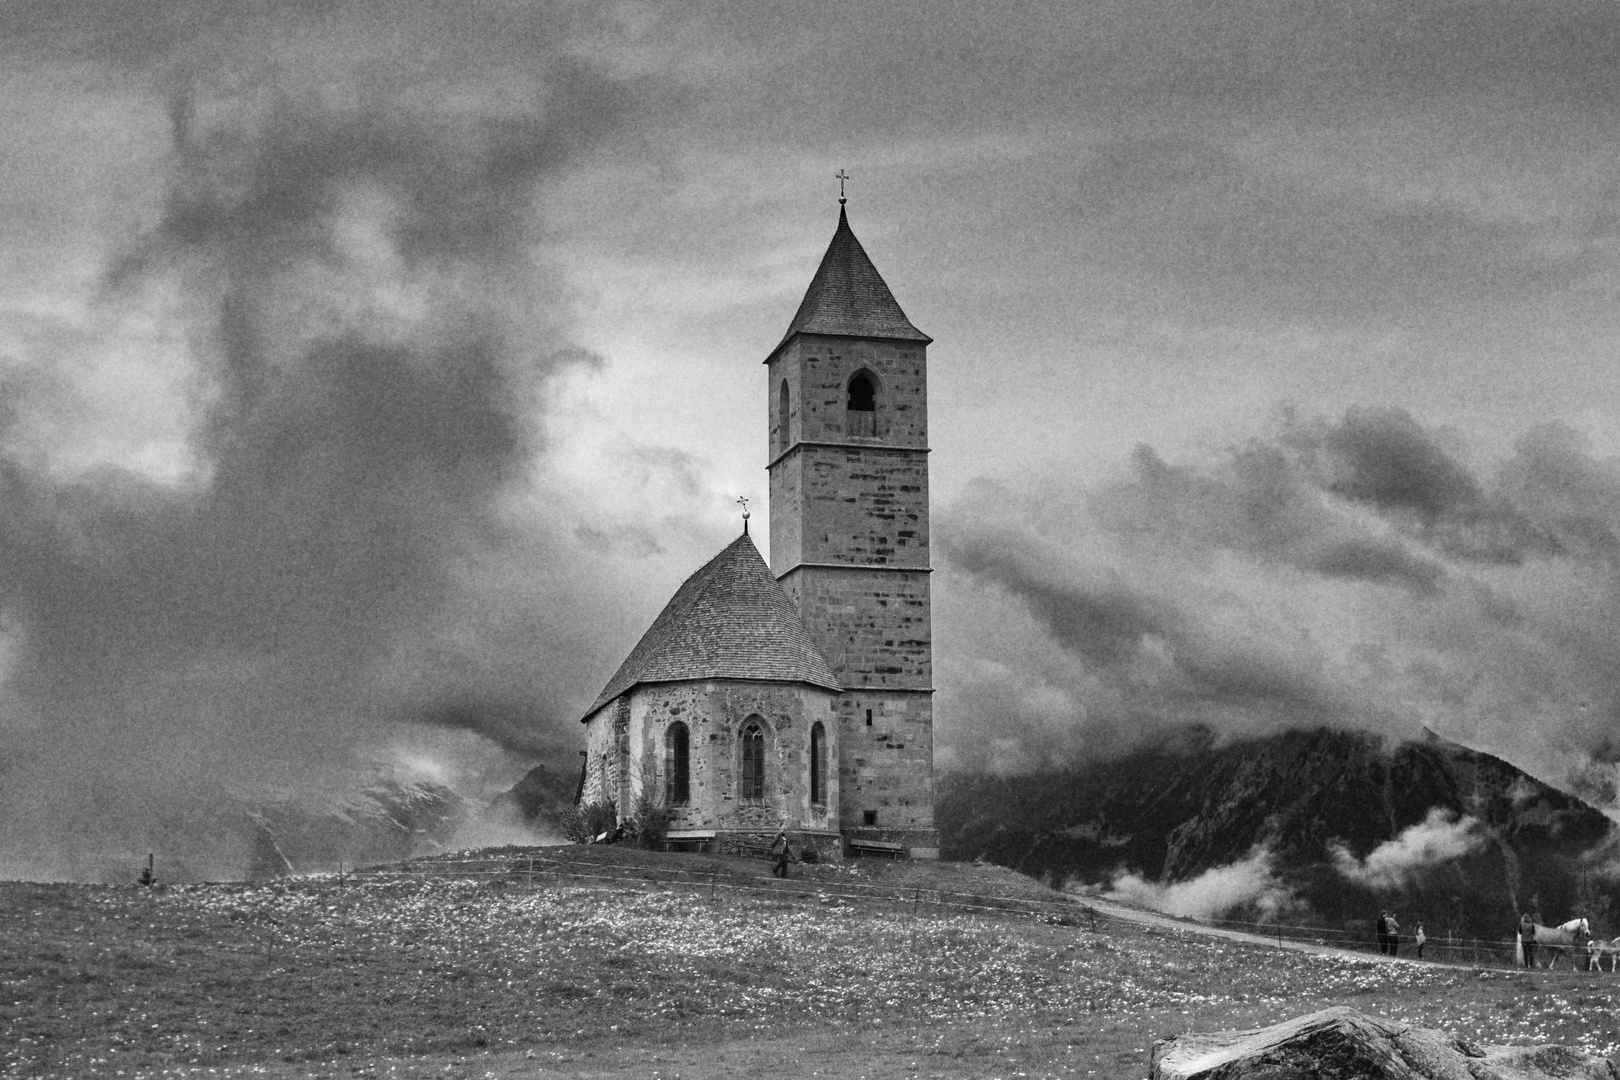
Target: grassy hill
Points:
(641, 971)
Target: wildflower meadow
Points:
(400, 976)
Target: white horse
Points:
(1559, 940)
(1597, 949)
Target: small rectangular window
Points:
(869, 817)
(868, 717)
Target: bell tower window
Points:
(860, 416)
(783, 439)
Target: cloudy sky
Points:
(370, 374)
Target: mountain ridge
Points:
(1338, 819)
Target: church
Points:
(798, 696)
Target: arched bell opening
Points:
(860, 405)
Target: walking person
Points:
(779, 848)
(1527, 934)
(1420, 939)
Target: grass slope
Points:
(413, 977)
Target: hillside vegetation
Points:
(1179, 809)
(404, 975)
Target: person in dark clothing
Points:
(1383, 932)
(779, 849)
(1393, 929)
(1527, 934)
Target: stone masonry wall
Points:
(888, 765)
(818, 370)
(863, 501)
(602, 766)
(873, 626)
(715, 713)
(867, 506)
(859, 503)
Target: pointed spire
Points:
(848, 297)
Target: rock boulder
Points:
(1343, 1044)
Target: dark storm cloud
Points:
(1149, 637)
(1362, 559)
(1268, 501)
(1104, 620)
(1382, 457)
(1354, 573)
(371, 340)
(1564, 492)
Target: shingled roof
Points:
(730, 620)
(848, 296)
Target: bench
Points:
(877, 847)
(687, 839)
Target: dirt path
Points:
(1143, 917)
(1155, 919)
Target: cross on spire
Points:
(841, 176)
(744, 503)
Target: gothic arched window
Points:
(753, 762)
(677, 765)
(782, 436)
(818, 764)
(860, 415)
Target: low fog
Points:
(344, 565)
(1250, 886)
(1440, 837)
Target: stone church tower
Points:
(848, 400)
(799, 696)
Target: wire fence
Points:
(1448, 949)
(533, 871)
